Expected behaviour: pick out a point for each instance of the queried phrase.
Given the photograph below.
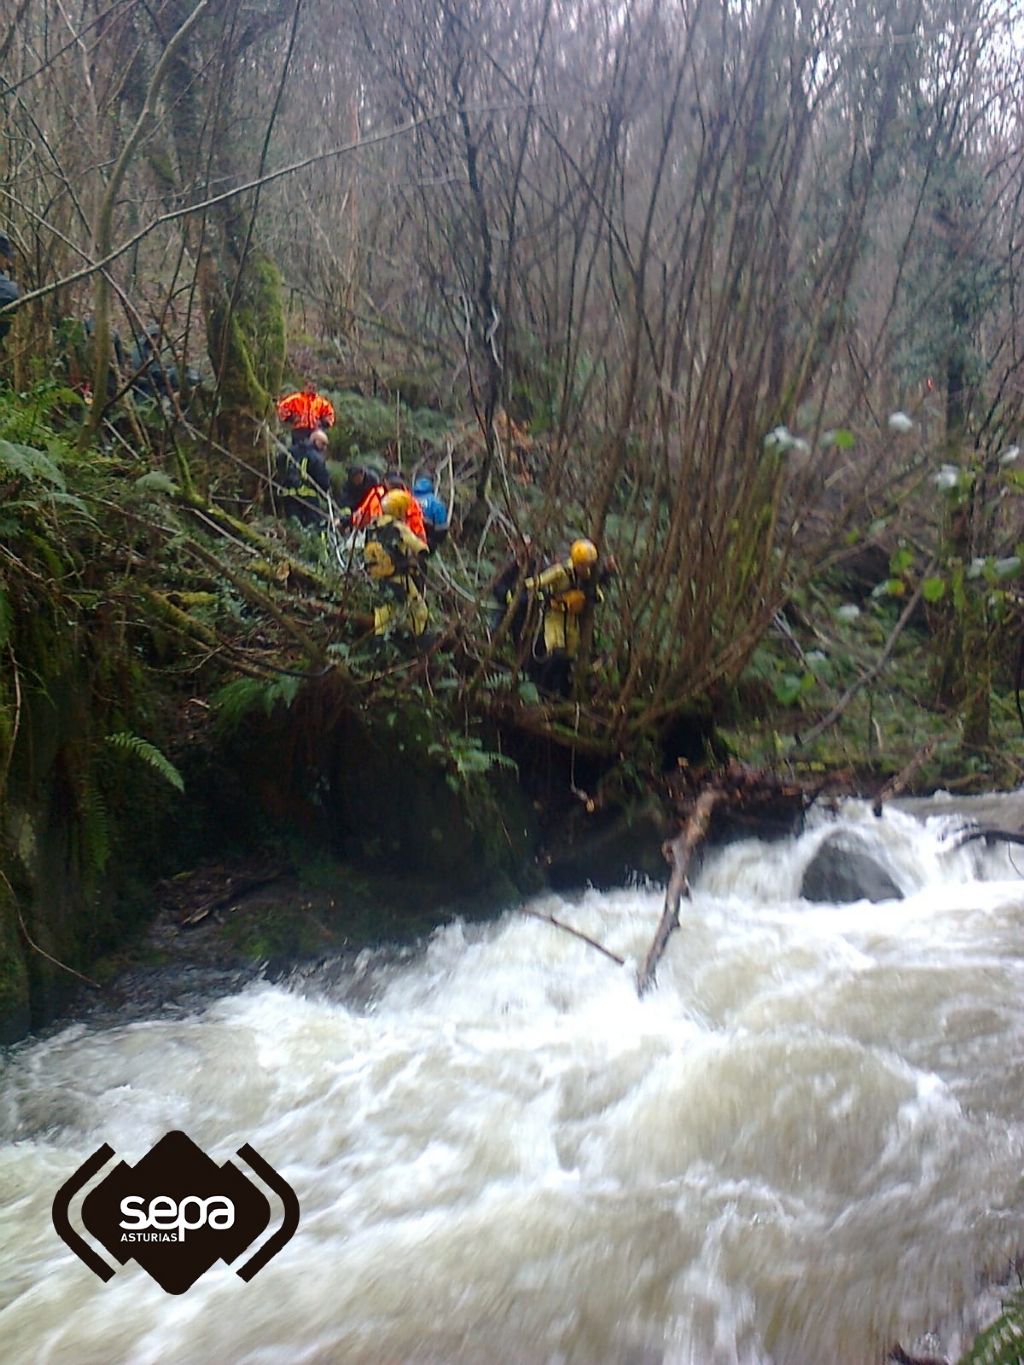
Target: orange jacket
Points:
(305, 410)
(414, 520)
(368, 508)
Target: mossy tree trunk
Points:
(245, 338)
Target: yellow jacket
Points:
(566, 596)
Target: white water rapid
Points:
(805, 1144)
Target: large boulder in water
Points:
(841, 872)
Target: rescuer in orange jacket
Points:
(305, 412)
(360, 498)
(390, 557)
(368, 508)
(413, 514)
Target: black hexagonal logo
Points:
(176, 1212)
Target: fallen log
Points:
(899, 1357)
(244, 886)
(678, 852)
(897, 783)
(752, 799)
(1000, 836)
(698, 800)
(576, 933)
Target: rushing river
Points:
(805, 1144)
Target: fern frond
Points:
(26, 463)
(53, 499)
(150, 754)
(156, 481)
(285, 688)
(95, 831)
(232, 702)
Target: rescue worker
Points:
(305, 412)
(362, 497)
(9, 291)
(391, 557)
(567, 591)
(435, 514)
(304, 473)
(394, 482)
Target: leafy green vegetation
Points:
(372, 428)
(149, 754)
(1002, 1343)
(802, 671)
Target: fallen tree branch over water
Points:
(1000, 836)
(899, 781)
(735, 791)
(678, 852)
(576, 933)
(737, 794)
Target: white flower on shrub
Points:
(899, 421)
(781, 438)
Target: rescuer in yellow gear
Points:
(567, 592)
(391, 556)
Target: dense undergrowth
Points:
(165, 594)
(814, 660)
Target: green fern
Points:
(467, 758)
(53, 499)
(232, 702)
(149, 753)
(26, 463)
(1001, 1343)
(94, 829)
(156, 481)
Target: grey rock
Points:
(840, 872)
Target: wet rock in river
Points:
(841, 872)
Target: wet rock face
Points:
(840, 872)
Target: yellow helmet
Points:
(395, 503)
(583, 552)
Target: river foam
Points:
(804, 1144)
